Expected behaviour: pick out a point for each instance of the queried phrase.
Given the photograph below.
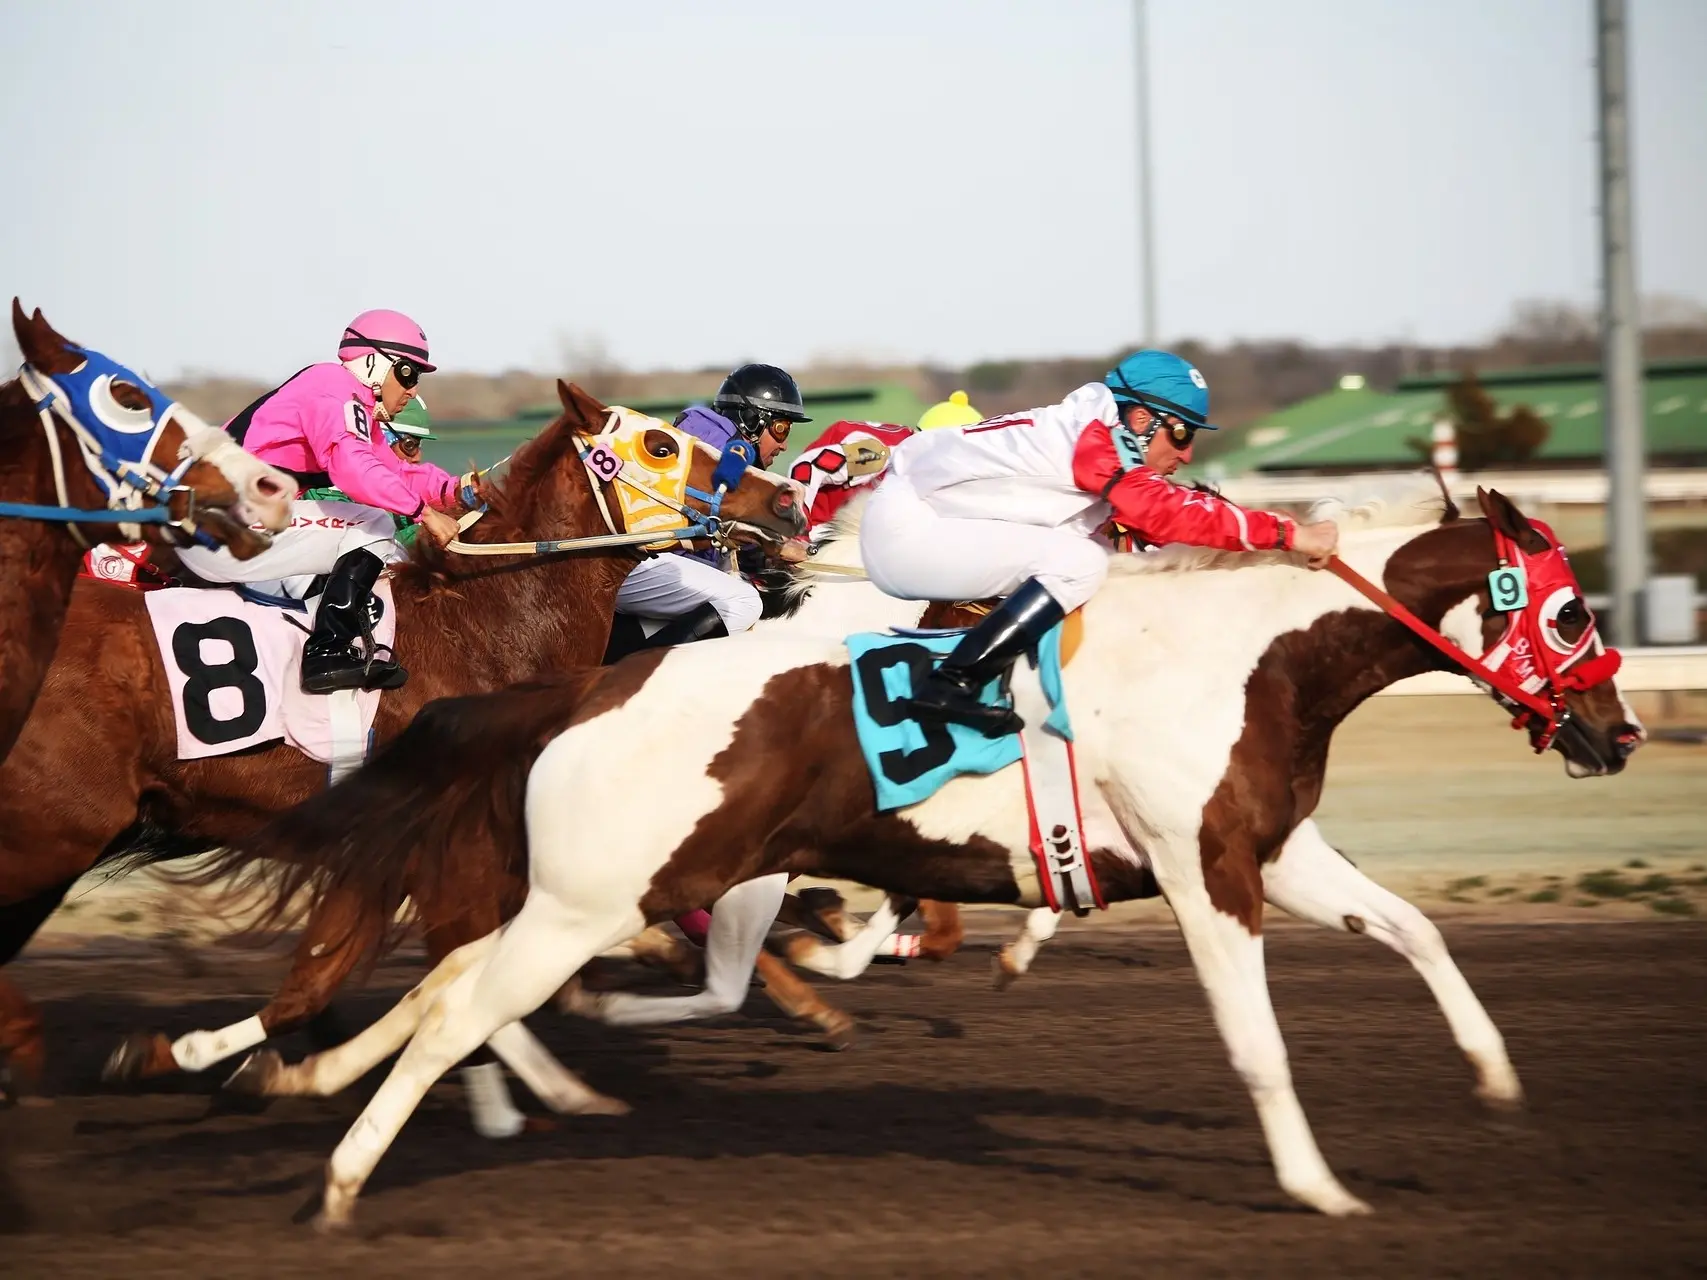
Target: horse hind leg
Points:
(1312, 880)
(529, 961)
(332, 943)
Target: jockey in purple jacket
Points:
(688, 590)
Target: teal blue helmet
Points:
(1164, 384)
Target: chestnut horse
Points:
(97, 763)
(218, 495)
(1208, 687)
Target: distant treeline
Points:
(1247, 379)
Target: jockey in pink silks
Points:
(324, 427)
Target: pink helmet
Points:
(388, 333)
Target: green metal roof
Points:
(483, 443)
(1347, 429)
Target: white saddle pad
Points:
(235, 671)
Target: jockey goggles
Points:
(404, 368)
(408, 444)
(776, 427)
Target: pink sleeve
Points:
(341, 433)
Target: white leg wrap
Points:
(200, 1050)
(489, 1105)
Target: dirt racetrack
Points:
(1084, 1122)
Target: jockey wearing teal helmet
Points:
(1173, 390)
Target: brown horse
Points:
(97, 763)
(222, 494)
(1207, 690)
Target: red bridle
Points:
(1532, 666)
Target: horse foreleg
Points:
(739, 922)
(943, 932)
(847, 960)
(1312, 880)
(1014, 959)
(799, 999)
(1216, 896)
(333, 941)
(324, 1074)
(23, 1048)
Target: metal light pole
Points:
(1620, 335)
(1146, 210)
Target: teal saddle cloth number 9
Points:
(910, 759)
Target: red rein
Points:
(1532, 666)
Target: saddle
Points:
(911, 759)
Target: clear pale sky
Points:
(219, 185)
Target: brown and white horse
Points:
(99, 757)
(1204, 692)
(223, 491)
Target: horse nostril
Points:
(267, 487)
(1626, 740)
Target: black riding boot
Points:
(702, 622)
(332, 659)
(1012, 628)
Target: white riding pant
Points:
(740, 919)
(911, 551)
(320, 534)
(670, 585)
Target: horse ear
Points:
(1503, 514)
(39, 343)
(580, 404)
(1449, 511)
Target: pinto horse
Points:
(220, 492)
(98, 766)
(1208, 687)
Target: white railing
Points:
(1644, 671)
(1564, 488)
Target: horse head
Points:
(138, 443)
(1502, 590)
(661, 477)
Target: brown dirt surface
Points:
(1084, 1122)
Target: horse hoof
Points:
(139, 1057)
(325, 1224)
(601, 1104)
(256, 1074)
(1499, 1089)
(839, 1034)
(1001, 976)
(1334, 1200)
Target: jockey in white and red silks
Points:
(1011, 507)
(324, 426)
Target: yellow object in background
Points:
(956, 411)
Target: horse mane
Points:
(786, 588)
(512, 503)
(1410, 501)
(14, 423)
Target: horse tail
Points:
(435, 817)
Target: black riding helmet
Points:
(755, 395)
